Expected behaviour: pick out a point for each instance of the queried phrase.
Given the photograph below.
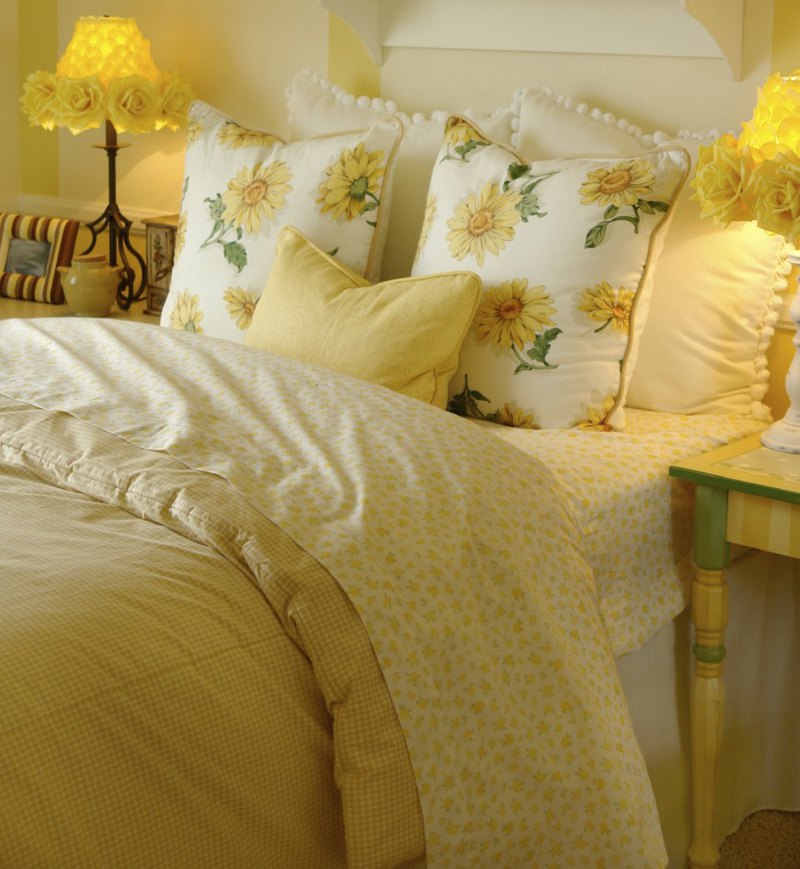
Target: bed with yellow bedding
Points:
(262, 614)
(255, 612)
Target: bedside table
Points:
(18, 308)
(160, 234)
(744, 494)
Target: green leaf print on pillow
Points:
(524, 182)
(465, 403)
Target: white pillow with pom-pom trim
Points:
(714, 302)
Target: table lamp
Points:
(107, 76)
(757, 177)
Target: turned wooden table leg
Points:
(710, 617)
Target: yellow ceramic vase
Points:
(90, 285)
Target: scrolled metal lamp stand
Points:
(118, 226)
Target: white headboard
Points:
(669, 64)
(675, 28)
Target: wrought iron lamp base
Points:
(113, 221)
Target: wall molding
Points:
(75, 209)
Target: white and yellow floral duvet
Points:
(462, 558)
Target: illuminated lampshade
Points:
(775, 125)
(109, 48)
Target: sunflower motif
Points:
(596, 417)
(256, 194)
(193, 131)
(431, 205)
(234, 136)
(352, 183)
(186, 315)
(180, 233)
(459, 132)
(241, 304)
(608, 306)
(512, 313)
(511, 415)
(483, 223)
(624, 183)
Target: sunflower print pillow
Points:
(242, 186)
(563, 248)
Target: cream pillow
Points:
(714, 302)
(404, 334)
(241, 186)
(317, 107)
(561, 247)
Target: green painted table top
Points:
(745, 466)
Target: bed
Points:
(260, 611)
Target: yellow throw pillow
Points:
(404, 334)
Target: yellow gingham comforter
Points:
(462, 563)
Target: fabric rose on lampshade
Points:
(723, 171)
(776, 195)
(79, 103)
(38, 99)
(134, 104)
(176, 96)
(757, 176)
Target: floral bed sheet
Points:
(636, 523)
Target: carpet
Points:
(765, 840)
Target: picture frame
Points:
(32, 247)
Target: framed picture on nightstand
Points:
(32, 247)
(160, 235)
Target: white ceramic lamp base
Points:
(785, 434)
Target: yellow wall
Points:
(9, 105)
(38, 47)
(786, 36)
(349, 63)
